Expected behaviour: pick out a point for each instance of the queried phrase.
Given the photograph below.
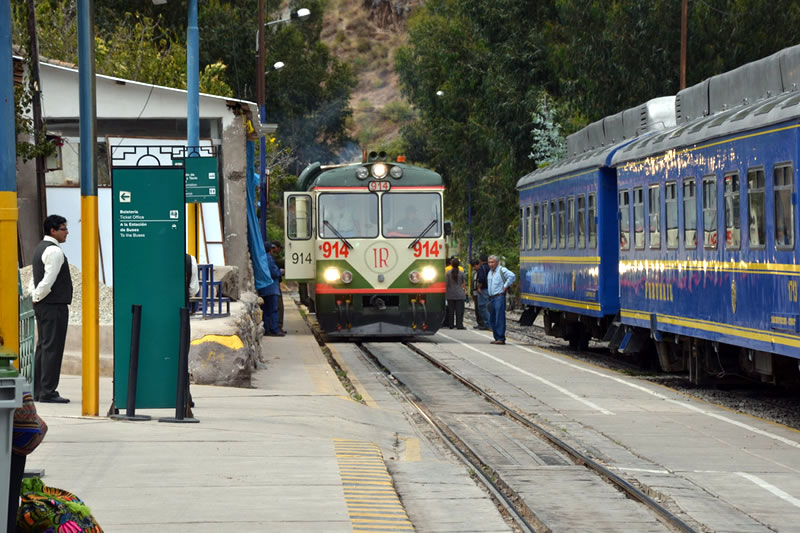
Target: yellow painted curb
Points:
(231, 341)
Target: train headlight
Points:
(331, 274)
(414, 277)
(396, 172)
(362, 173)
(379, 170)
(347, 276)
(428, 273)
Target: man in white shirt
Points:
(498, 280)
(51, 289)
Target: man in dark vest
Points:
(52, 293)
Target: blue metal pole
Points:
(9, 300)
(193, 77)
(8, 150)
(263, 170)
(90, 290)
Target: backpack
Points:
(46, 508)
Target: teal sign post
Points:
(201, 179)
(149, 263)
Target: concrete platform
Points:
(288, 454)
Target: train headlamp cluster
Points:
(379, 171)
(428, 274)
(332, 275)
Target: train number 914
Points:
(429, 249)
(301, 259)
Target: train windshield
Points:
(353, 215)
(409, 214)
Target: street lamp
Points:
(264, 181)
(298, 14)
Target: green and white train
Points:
(366, 241)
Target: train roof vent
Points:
(657, 114)
(614, 128)
(691, 103)
(790, 68)
(747, 84)
(576, 142)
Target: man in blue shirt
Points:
(271, 294)
(498, 280)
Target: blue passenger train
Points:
(695, 257)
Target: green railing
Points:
(27, 345)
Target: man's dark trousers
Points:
(52, 321)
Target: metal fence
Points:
(27, 345)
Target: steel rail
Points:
(498, 494)
(578, 457)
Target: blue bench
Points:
(210, 300)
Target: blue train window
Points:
(571, 222)
(671, 208)
(553, 224)
(521, 228)
(689, 214)
(562, 227)
(784, 214)
(537, 227)
(624, 220)
(528, 228)
(710, 212)
(581, 221)
(638, 218)
(545, 231)
(733, 230)
(592, 220)
(756, 209)
(654, 215)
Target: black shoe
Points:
(277, 334)
(478, 327)
(54, 399)
(462, 327)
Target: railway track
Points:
(476, 434)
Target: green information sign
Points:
(149, 262)
(201, 179)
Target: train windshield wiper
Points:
(336, 232)
(421, 235)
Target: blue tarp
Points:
(257, 252)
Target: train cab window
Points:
(349, 215)
(710, 212)
(545, 237)
(562, 234)
(689, 214)
(571, 222)
(592, 220)
(412, 215)
(654, 215)
(581, 221)
(784, 214)
(298, 217)
(638, 218)
(671, 212)
(528, 228)
(756, 208)
(537, 227)
(733, 230)
(553, 224)
(624, 220)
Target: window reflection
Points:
(353, 215)
(408, 214)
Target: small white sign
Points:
(125, 197)
(212, 190)
(212, 175)
(173, 213)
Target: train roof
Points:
(318, 175)
(753, 96)
(593, 146)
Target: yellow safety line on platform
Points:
(372, 502)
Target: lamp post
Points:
(264, 182)
(299, 14)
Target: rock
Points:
(229, 276)
(224, 351)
